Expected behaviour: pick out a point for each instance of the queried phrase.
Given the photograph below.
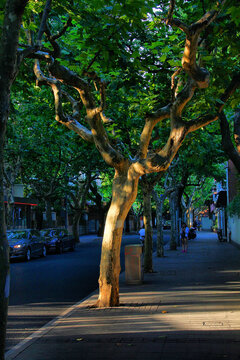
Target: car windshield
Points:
(18, 235)
(45, 232)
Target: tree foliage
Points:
(134, 79)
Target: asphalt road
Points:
(43, 288)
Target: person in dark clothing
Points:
(184, 237)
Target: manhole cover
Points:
(212, 323)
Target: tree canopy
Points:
(136, 79)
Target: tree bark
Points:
(173, 243)
(8, 70)
(148, 243)
(102, 217)
(159, 220)
(4, 253)
(9, 207)
(75, 228)
(144, 160)
(227, 142)
(48, 214)
(124, 192)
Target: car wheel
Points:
(44, 251)
(72, 248)
(59, 249)
(28, 255)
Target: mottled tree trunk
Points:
(75, 227)
(159, 219)
(48, 214)
(148, 243)
(8, 70)
(101, 221)
(10, 207)
(123, 195)
(173, 243)
(4, 253)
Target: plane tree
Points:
(112, 55)
(11, 19)
(45, 157)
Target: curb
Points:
(20, 347)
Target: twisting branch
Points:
(179, 24)
(68, 121)
(150, 123)
(62, 32)
(75, 105)
(227, 144)
(52, 38)
(170, 12)
(206, 119)
(189, 65)
(98, 133)
(43, 21)
(175, 86)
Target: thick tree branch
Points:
(68, 121)
(94, 118)
(52, 38)
(43, 21)
(204, 120)
(179, 24)
(150, 123)
(170, 11)
(234, 84)
(227, 141)
(98, 133)
(189, 65)
(237, 129)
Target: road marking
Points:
(20, 347)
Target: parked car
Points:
(26, 244)
(58, 240)
(167, 224)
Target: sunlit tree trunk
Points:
(124, 193)
(146, 159)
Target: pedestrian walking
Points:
(142, 235)
(184, 237)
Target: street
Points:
(43, 288)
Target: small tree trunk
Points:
(124, 194)
(101, 222)
(4, 256)
(8, 70)
(159, 218)
(173, 243)
(127, 229)
(10, 207)
(75, 228)
(148, 243)
(49, 214)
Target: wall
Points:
(18, 190)
(206, 223)
(234, 227)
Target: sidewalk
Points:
(189, 308)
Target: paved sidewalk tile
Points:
(189, 308)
